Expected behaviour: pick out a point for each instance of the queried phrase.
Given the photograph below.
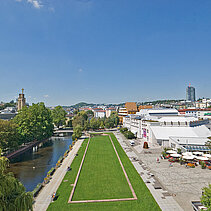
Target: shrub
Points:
(123, 130)
(203, 165)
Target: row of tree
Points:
(35, 122)
(85, 120)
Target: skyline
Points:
(104, 51)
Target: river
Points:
(32, 167)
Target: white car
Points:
(132, 142)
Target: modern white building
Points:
(157, 127)
(198, 113)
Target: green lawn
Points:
(101, 175)
(84, 190)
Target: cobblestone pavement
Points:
(184, 184)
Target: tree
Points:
(87, 125)
(13, 196)
(94, 124)
(77, 132)
(90, 113)
(34, 122)
(206, 197)
(9, 136)
(102, 125)
(58, 115)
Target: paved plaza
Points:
(181, 184)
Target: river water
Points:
(32, 167)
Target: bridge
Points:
(63, 131)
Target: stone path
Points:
(162, 197)
(43, 200)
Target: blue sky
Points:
(104, 51)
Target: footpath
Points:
(162, 197)
(43, 199)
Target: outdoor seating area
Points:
(189, 159)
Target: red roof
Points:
(100, 111)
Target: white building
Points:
(159, 126)
(99, 113)
(109, 111)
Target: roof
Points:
(100, 111)
(190, 140)
(144, 107)
(164, 133)
(111, 109)
(195, 109)
(177, 119)
(131, 106)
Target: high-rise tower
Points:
(190, 94)
(21, 101)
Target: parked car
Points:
(132, 142)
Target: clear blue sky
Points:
(104, 51)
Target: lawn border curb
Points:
(102, 200)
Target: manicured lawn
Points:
(145, 200)
(101, 175)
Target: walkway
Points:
(43, 200)
(162, 197)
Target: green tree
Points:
(206, 197)
(78, 120)
(58, 114)
(102, 125)
(94, 124)
(34, 122)
(9, 136)
(13, 196)
(90, 113)
(87, 125)
(77, 132)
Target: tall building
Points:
(21, 101)
(190, 94)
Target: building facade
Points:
(21, 101)
(190, 94)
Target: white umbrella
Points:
(175, 155)
(198, 153)
(171, 152)
(188, 157)
(207, 155)
(201, 158)
(187, 153)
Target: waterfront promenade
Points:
(43, 200)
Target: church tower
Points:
(21, 101)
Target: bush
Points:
(123, 130)
(179, 151)
(129, 135)
(203, 165)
